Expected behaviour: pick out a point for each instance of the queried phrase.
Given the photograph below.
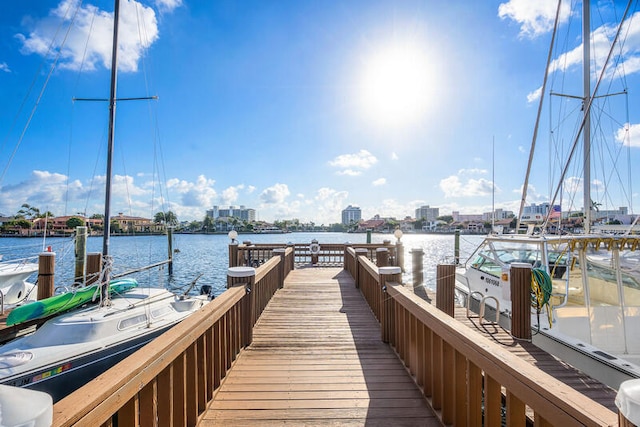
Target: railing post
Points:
(233, 253)
(293, 256)
(359, 252)
(520, 281)
(238, 276)
(382, 257)
(94, 267)
(387, 275)
(281, 253)
(445, 288)
(345, 254)
(400, 255)
(46, 274)
(628, 402)
(417, 267)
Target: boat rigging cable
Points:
(41, 94)
(538, 114)
(584, 120)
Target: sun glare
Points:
(396, 85)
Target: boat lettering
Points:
(492, 281)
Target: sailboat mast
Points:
(586, 70)
(112, 120)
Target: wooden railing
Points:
(174, 377)
(467, 380)
(330, 254)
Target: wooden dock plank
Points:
(317, 359)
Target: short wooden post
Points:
(170, 249)
(387, 275)
(417, 267)
(521, 300)
(400, 255)
(46, 274)
(94, 267)
(345, 255)
(245, 276)
(359, 252)
(80, 255)
(382, 257)
(233, 253)
(445, 288)
(628, 402)
(280, 252)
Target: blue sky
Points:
(295, 108)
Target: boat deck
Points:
(317, 359)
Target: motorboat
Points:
(14, 287)
(585, 282)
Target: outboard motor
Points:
(207, 290)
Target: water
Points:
(205, 256)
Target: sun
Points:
(397, 85)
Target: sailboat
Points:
(585, 286)
(75, 347)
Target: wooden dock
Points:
(317, 359)
(333, 346)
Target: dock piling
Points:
(46, 274)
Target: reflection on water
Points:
(207, 255)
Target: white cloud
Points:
(167, 5)
(230, 194)
(535, 95)
(354, 164)
(452, 187)
(394, 156)
(473, 171)
(349, 172)
(629, 135)
(534, 17)
(4, 67)
(194, 194)
(378, 182)
(95, 25)
(277, 193)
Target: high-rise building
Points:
(351, 214)
(430, 214)
(243, 213)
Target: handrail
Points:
(174, 376)
(450, 362)
(94, 403)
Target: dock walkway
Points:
(317, 359)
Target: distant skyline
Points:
(296, 109)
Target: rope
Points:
(541, 289)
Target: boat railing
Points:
(174, 377)
(19, 262)
(469, 381)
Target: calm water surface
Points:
(205, 257)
